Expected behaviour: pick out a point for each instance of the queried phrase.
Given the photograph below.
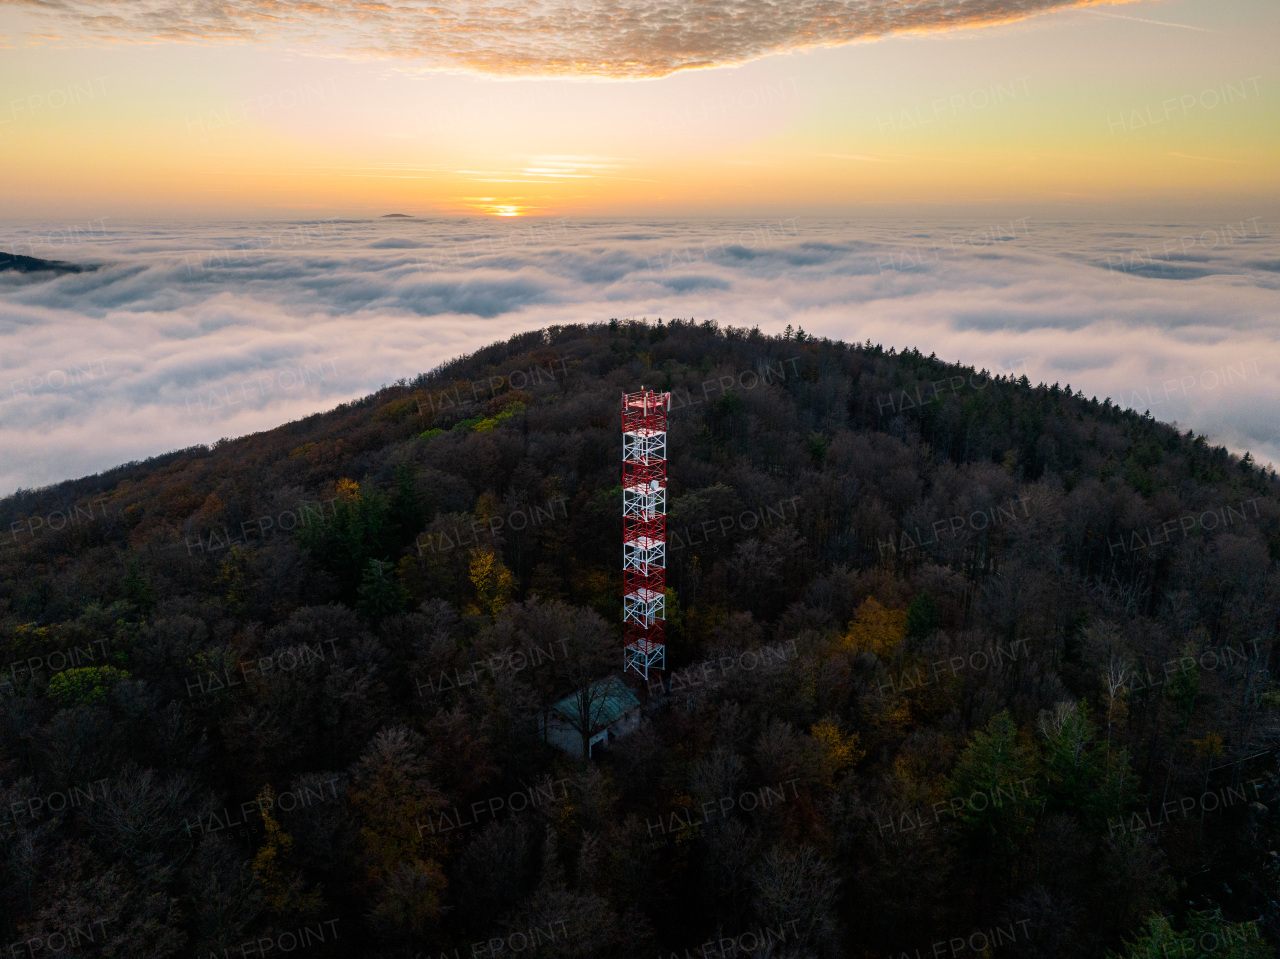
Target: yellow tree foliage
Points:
(838, 751)
(876, 629)
(487, 507)
(891, 718)
(283, 892)
(268, 864)
(1210, 746)
(348, 490)
(235, 574)
(491, 580)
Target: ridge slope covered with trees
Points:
(960, 664)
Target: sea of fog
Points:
(189, 333)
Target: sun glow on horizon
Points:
(497, 206)
(1002, 115)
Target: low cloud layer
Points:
(184, 336)
(622, 38)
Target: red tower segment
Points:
(644, 521)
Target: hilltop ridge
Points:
(31, 264)
(943, 644)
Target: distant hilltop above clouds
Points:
(32, 264)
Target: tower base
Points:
(642, 656)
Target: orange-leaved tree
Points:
(876, 628)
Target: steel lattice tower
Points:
(644, 529)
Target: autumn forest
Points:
(959, 665)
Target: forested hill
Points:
(959, 660)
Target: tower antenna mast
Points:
(644, 530)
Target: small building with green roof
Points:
(611, 706)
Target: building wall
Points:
(625, 725)
(564, 737)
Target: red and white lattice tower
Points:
(644, 529)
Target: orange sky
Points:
(1145, 103)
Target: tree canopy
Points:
(957, 658)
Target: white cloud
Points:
(186, 335)
(621, 38)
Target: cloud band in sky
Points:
(612, 38)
